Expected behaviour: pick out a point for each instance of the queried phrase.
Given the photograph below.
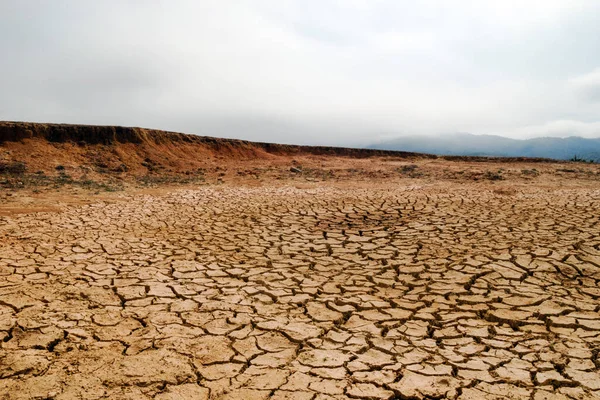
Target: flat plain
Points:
(353, 284)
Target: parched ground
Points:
(454, 290)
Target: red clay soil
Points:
(185, 147)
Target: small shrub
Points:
(405, 169)
(63, 178)
(581, 160)
(493, 176)
(121, 168)
(87, 183)
(533, 172)
(13, 168)
(111, 188)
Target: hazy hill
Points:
(488, 145)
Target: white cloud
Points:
(559, 128)
(301, 71)
(588, 85)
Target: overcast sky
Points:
(316, 72)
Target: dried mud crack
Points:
(400, 292)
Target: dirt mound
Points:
(139, 151)
(112, 135)
(133, 147)
(110, 157)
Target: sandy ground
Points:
(375, 288)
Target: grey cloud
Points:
(588, 85)
(560, 128)
(304, 71)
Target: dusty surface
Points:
(289, 272)
(113, 158)
(408, 290)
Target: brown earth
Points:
(103, 149)
(360, 275)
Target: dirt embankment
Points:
(114, 135)
(42, 165)
(110, 157)
(131, 151)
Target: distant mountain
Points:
(488, 145)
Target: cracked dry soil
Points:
(321, 293)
